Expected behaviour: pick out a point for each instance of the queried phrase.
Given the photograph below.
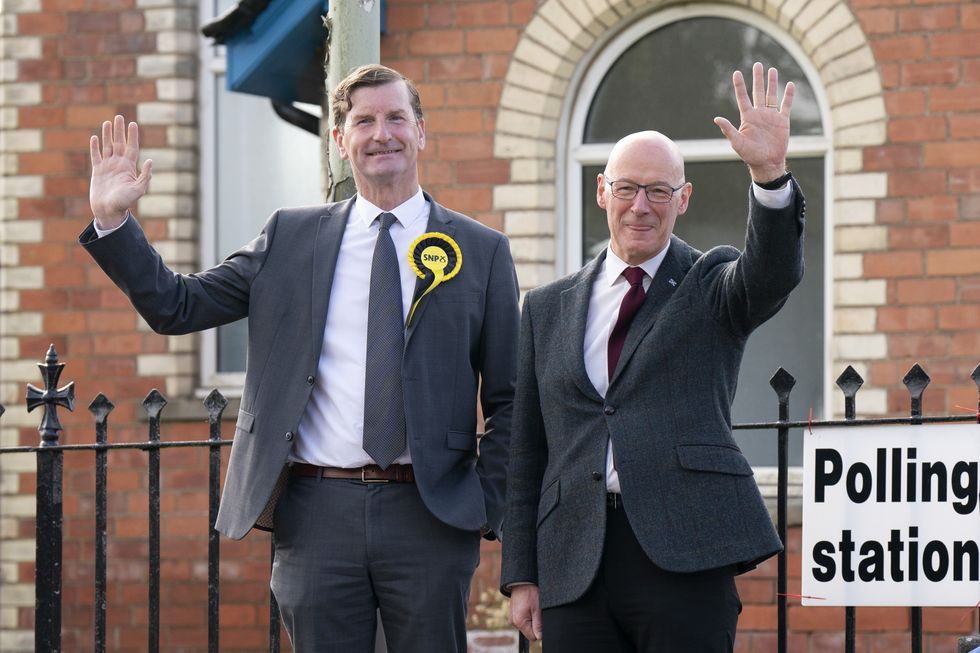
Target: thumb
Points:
(726, 127)
(536, 623)
(145, 174)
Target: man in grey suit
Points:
(630, 508)
(375, 324)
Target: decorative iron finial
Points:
(50, 397)
(215, 403)
(849, 381)
(916, 381)
(782, 382)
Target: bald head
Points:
(646, 150)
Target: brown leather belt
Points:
(366, 474)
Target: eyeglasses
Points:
(659, 193)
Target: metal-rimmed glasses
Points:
(657, 193)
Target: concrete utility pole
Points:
(353, 39)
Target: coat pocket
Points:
(549, 500)
(719, 459)
(461, 440)
(245, 421)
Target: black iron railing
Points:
(50, 514)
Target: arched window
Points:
(671, 72)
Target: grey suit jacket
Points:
(687, 489)
(460, 342)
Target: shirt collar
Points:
(615, 265)
(406, 213)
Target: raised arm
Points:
(117, 181)
(762, 138)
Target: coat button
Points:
(288, 436)
(609, 410)
(310, 379)
(596, 476)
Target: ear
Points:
(685, 197)
(421, 124)
(338, 138)
(600, 191)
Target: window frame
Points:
(214, 65)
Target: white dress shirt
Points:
(607, 295)
(331, 430)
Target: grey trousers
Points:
(345, 549)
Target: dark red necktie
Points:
(627, 311)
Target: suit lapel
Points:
(326, 248)
(669, 275)
(574, 315)
(441, 221)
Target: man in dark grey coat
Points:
(630, 508)
(356, 442)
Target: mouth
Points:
(383, 152)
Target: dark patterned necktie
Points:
(384, 403)
(627, 311)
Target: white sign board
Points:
(891, 515)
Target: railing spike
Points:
(916, 380)
(154, 403)
(215, 403)
(849, 381)
(101, 407)
(782, 382)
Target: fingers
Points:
(758, 88)
(133, 138)
(530, 625)
(741, 94)
(106, 139)
(117, 138)
(788, 95)
(94, 150)
(119, 135)
(772, 89)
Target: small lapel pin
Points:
(672, 282)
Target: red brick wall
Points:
(929, 61)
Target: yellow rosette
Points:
(435, 257)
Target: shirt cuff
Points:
(773, 199)
(511, 586)
(105, 232)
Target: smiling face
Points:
(381, 138)
(639, 229)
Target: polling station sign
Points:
(891, 515)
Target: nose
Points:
(641, 205)
(381, 133)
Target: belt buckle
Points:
(371, 480)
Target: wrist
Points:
(775, 183)
(108, 222)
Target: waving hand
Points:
(117, 183)
(762, 138)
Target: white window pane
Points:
(679, 77)
(263, 163)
